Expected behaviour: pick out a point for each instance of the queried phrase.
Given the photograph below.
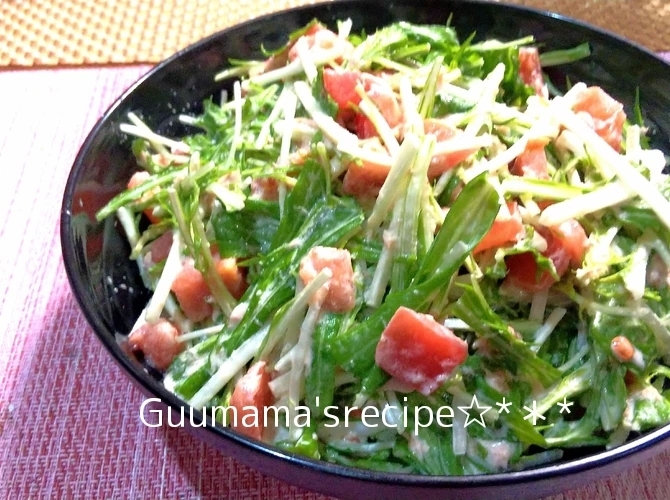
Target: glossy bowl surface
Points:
(95, 254)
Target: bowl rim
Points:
(148, 385)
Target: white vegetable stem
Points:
(460, 434)
(307, 61)
(127, 221)
(390, 191)
(170, 271)
(152, 137)
(238, 103)
(410, 104)
(328, 126)
(220, 292)
(289, 107)
(547, 328)
(301, 357)
(371, 110)
(158, 146)
(621, 167)
(355, 151)
(266, 128)
(490, 89)
(344, 28)
(295, 68)
(196, 334)
(538, 306)
(579, 206)
(227, 370)
(375, 293)
(232, 200)
(295, 311)
(635, 276)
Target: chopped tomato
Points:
(573, 239)
(363, 127)
(341, 86)
(137, 179)
(530, 70)
(507, 228)
(445, 132)
(231, 275)
(604, 114)
(250, 397)
(381, 93)
(158, 341)
(532, 162)
(419, 351)
(365, 179)
(523, 272)
(192, 293)
(160, 247)
(340, 295)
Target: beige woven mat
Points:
(73, 32)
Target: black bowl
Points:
(95, 254)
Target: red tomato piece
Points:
(603, 113)
(573, 238)
(251, 396)
(158, 341)
(365, 179)
(444, 132)
(532, 162)
(506, 229)
(419, 351)
(523, 272)
(363, 127)
(341, 294)
(231, 275)
(160, 247)
(530, 70)
(381, 93)
(341, 86)
(192, 293)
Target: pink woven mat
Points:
(69, 424)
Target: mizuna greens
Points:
(398, 223)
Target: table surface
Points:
(69, 418)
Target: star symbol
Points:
(474, 404)
(504, 406)
(565, 405)
(533, 413)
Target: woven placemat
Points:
(73, 32)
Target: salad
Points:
(408, 253)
